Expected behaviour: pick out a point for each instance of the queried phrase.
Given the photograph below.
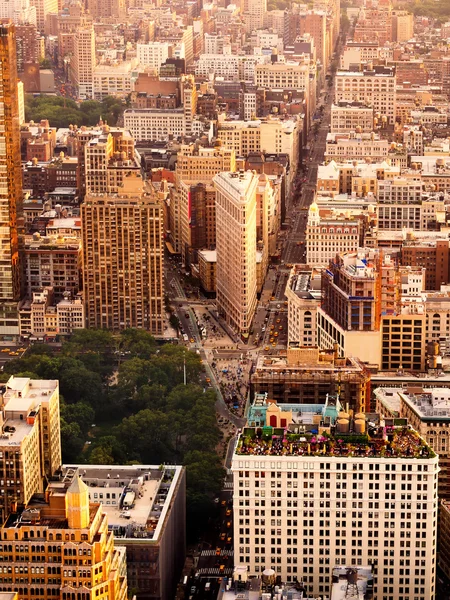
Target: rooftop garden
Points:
(390, 442)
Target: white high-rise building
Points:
(18, 11)
(236, 247)
(325, 488)
(83, 62)
(153, 54)
(44, 8)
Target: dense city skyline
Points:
(224, 300)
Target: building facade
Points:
(371, 509)
(58, 528)
(11, 188)
(236, 248)
(123, 259)
(30, 446)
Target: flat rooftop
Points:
(23, 394)
(342, 576)
(430, 404)
(136, 498)
(390, 398)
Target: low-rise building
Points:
(328, 235)
(356, 146)
(113, 80)
(349, 116)
(207, 260)
(306, 375)
(375, 87)
(303, 292)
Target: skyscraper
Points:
(236, 247)
(123, 258)
(10, 183)
(83, 62)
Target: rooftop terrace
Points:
(384, 442)
(326, 430)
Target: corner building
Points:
(302, 511)
(59, 546)
(236, 247)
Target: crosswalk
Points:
(215, 571)
(213, 553)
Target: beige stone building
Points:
(30, 446)
(207, 260)
(402, 26)
(108, 157)
(351, 116)
(236, 279)
(356, 146)
(374, 87)
(328, 235)
(303, 292)
(123, 258)
(63, 530)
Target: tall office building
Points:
(30, 445)
(11, 184)
(108, 158)
(44, 8)
(123, 258)
(100, 9)
(193, 211)
(308, 498)
(254, 12)
(59, 546)
(236, 247)
(18, 11)
(83, 62)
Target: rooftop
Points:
(306, 284)
(23, 394)
(343, 578)
(136, 498)
(381, 441)
(430, 404)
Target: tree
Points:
(71, 441)
(81, 385)
(108, 450)
(138, 343)
(79, 413)
(146, 436)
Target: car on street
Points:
(223, 536)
